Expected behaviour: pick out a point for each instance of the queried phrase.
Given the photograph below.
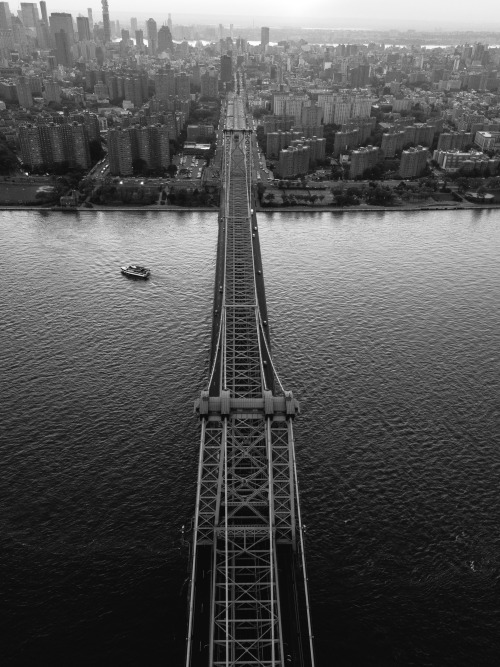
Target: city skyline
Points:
(318, 14)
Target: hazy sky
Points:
(428, 14)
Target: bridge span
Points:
(248, 602)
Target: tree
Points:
(140, 167)
(347, 198)
(96, 150)
(8, 161)
(182, 196)
(172, 170)
(380, 196)
(258, 113)
(376, 172)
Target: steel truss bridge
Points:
(248, 602)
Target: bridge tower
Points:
(248, 600)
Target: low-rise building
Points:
(487, 141)
(195, 132)
(454, 160)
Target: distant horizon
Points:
(319, 15)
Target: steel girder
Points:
(247, 500)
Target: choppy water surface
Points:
(386, 327)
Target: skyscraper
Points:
(20, 36)
(43, 9)
(264, 36)
(169, 22)
(63, 49)
(139, 39)
(152, 36)
(29, 14)
(105, 21)
(133, 25)
(82, 23)
(5, 16)
(62, 21)
(91, 20)
(165, 42)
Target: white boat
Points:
(135, 271)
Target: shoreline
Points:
(259, 209)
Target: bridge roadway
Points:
(248, 592)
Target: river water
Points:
(386, 327)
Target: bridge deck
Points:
(248, 602)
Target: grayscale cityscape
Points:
(250, 335)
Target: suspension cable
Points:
(269, 353)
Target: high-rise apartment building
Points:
(453, 140)
(311, 116)
(210, 83)
(294, 161)
(345, 140)
(327, 103)
(101, 90)
(133, 91)
(52, 91)
(149, 143)
(183, 85)
(278, 141)
(79, 154)
(31, 146)
(393, 142)
(289, 105)
(24, 94)
(164, 81)
(50, 145)
(359, 76)
(226, 69)
(413, 162)
(316, 149)
(276, 123)
(364, 158)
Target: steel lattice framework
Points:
(248, 596)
